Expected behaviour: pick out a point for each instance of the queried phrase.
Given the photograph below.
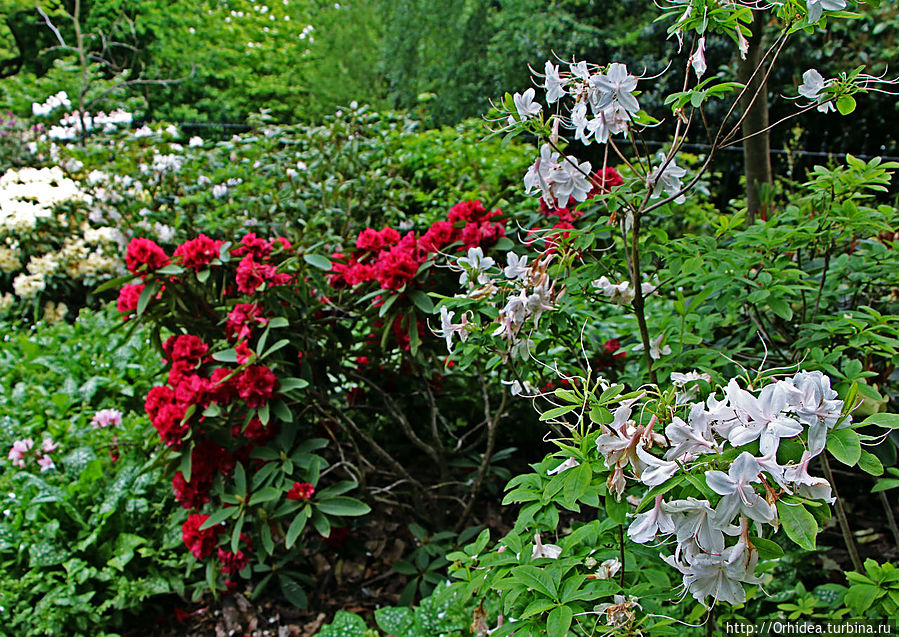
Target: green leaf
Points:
(240, 480)
(265, 494)
(556, 412)
(845, 104)
(884, 484)
(536, 579)
(768, 550)
(559, 621)
(845, 446)
(421, 300)
(395, 621)
(799, 525)
(296, 596)
(296, 527)
(859, 597)
(146, 295)
(219, 516)
(343, 505)
(225, 356)
(889, 421)
(869, 463)
(317, 261)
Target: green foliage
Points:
(80, 545)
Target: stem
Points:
(639, 304)
(621, 554)
(848, 540)
(823, 279)
(492, 427)
(891, 519)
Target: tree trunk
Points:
(756, 150)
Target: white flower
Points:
(692, 437)
(448, 328)
(616, 85)
(551, 551)
(608, 569)
(816, 8)
(697, 60)
(667, 179)
(806, 485)
(656, 471)
(812, 85)
(558, 180)
(525, 105)
(195, 141)
(555, 90)
(474, 265)
(620, 293)
(693, 522)
(654, 522)
(739, 494)
(761, 417)
(517, 266)
(569, 463)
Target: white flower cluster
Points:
(528, 293)
(748, 489)
(71, 125)
(29, 194)
(558, 179)
(53, 102)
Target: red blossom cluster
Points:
(301, 491)
(200, 543)
(393, 260)
(611, 356)
(603, 181)
(206, 460)
(144, 256)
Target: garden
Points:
(398, 317)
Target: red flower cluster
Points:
(128, 297)
(256, 385)
(197, 253)
(206, 459)
(243, 319)
(232, 562)
(200, 543)
(611, 355)
(603, 181)
(251, 274)
(144, 255)
(393, 260)
(301, 491)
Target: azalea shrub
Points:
(278, 357)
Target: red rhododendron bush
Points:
(291, 378)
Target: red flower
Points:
(604, 181)
(192, 390)
(166, 415)
(143, 255)
(395, 268)
(222, 391)
(243, 352)
(206, 461)
(440, 234)
(128, 297)
(255, 432)
(301, 491)
(369, 239)
(254, 246)
(197, 253)
(466, 211)
(242, 319)
(200, 543)
(185, 347)
(389, 236)
(232, 562)
(250, 274)
(256, 385)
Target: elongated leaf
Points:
(265, 494)
(296, 527)
(343, 505)
(559, 621)
(219, 516)
(845, 446)
(799, 525)
(317, 261)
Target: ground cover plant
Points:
(597, 400)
